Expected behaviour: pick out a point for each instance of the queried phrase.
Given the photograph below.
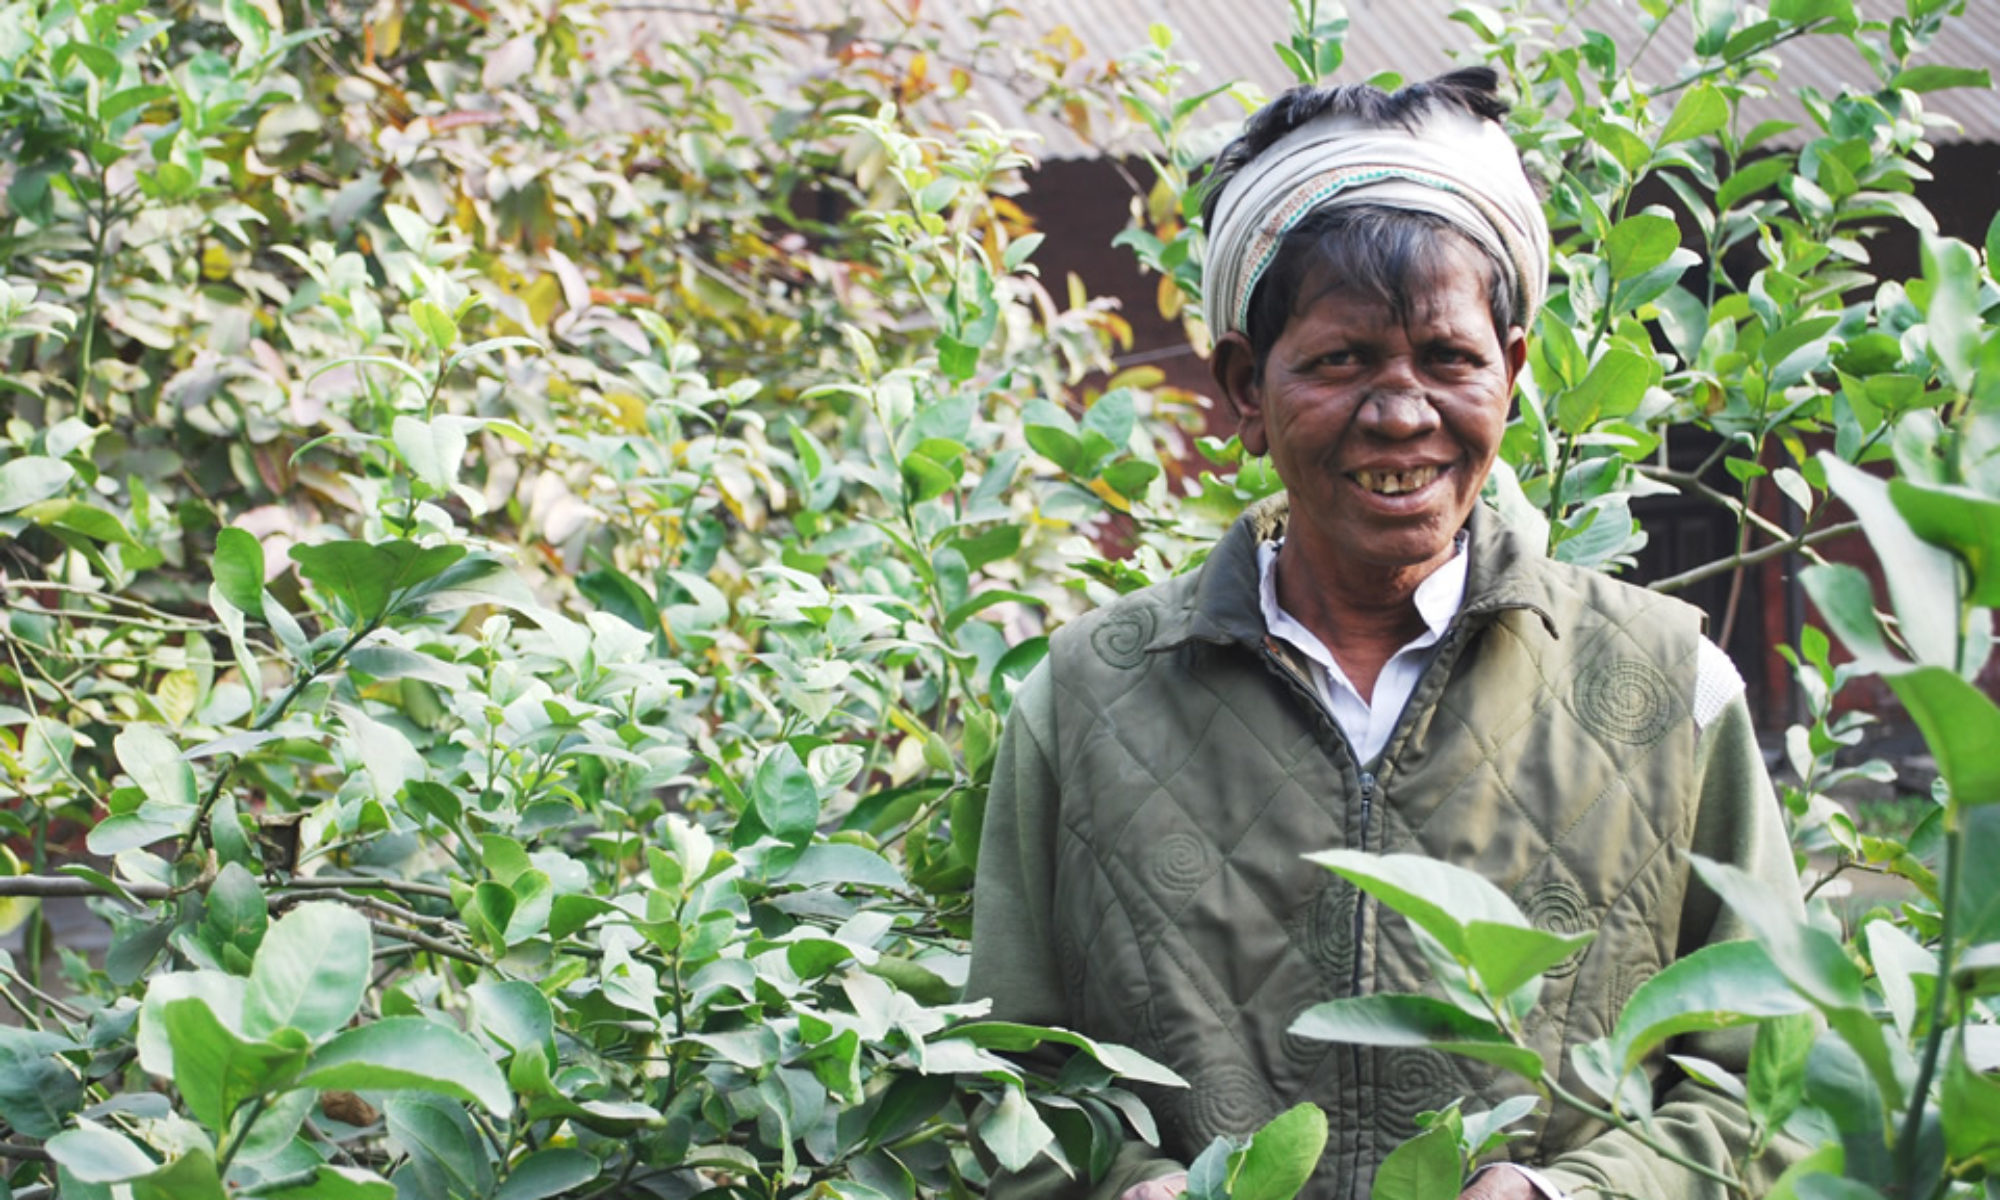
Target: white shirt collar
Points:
(1438, 598)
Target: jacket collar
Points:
(1505, 573)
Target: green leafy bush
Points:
(520, 606)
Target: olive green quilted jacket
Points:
(1141, 878)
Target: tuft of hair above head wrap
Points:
(1446, 161)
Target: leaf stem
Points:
(1913, 1120)
(1613, 1119)
(256, 1110)
(271, 717)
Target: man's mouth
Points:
(1395, 483)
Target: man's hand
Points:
(1500, 1182)
(1166, 1187)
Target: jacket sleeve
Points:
(1738, 823)
(1013, 928)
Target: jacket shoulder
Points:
(1123, 634)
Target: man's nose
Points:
(1398, 408)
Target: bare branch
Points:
(427, 942)
(1674, 583)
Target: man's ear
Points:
(1517, 354)
(1234, 366)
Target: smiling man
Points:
(1371, 661)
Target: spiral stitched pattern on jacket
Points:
(1233, 1101)
(1417, 1081)
(1180, 863)
(1122, 637)
(1559, 906)
(1625, 700)
(1323, 930)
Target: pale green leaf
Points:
(309, 973)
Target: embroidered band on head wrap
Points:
(1450, 163)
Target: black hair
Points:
(1374, 249)
(1385, 254)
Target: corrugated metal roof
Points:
(1233, 41)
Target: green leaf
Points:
(1809, 957)
(548, 1173)
(1281, 1156)
(38, 1092)
(784, 796)
(838, 863)
(1014, 1131)
(95, 1154)
(433, 450)
(1507, 956)
(309, 973)
(1437, 897)
(1716, 987)
(239, 569)
(1755, 177)
(1776, 1081)
(925, 479)
(446, 1155)
(1825, 1162)
(956, 360)
(1933, 77)
(409, 1054)
(1970, 1110)
(74, 516)
(328, 1182)
(1805, 12)
(1614, 388)
(1012, 1037)
(1952, 316)
(435, 323)
(1427, 1167)
(514, 1013)
(234, 912)
(1020, 250)
(1846, 601)
(23, 481)
(1962, 519)
(1701, 110)
(367, 576)
(1923, 579)
(1059, 446)
(1415, 1021)
(217, 1071)
(1639, 243)
(154, 762)
(1961, 728)
(192, 1176)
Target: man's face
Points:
(1382, 431)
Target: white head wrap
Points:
(1454, 164)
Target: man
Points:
(1372, 662)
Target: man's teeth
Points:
(1395, 483)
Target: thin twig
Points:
(23, 1152)
(342, 882)
(35, 714)
(178, 620)
(70, 885)
(1674, 583)
(427, 942)
(68, 1010)
(390, 910)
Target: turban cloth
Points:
(1450, 163)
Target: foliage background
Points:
(509, 616)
